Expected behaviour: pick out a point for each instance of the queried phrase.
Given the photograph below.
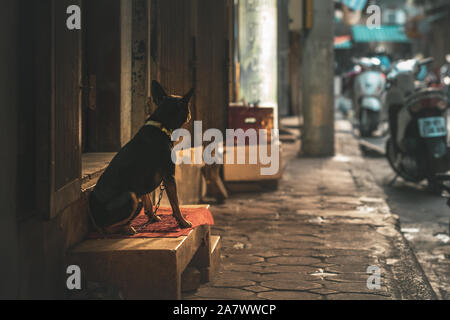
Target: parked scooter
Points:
(368, 91)
(417, 149)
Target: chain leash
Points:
(161, 193)
(162, 188)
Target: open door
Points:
(103, 74)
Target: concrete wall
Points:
(284, 108)
(318, 81)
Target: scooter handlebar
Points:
(426, 61)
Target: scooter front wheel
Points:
(368, 122)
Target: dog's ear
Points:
(187, 97)
(158, 92)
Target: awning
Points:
(387, 33)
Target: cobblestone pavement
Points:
(315, 237)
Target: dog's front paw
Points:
(152, 218)
(184, 224)
(129, 231)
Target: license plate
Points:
(433, 127)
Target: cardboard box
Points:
(250, 172)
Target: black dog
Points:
(140, 167)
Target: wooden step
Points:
(147, 268)
(215, 260)
(195, 274)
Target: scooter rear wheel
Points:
(391, 157)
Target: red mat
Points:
(168, 227)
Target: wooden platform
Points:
(148, 268)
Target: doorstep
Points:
(148, 268)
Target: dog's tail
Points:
(122, 208)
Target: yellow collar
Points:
(159, 126)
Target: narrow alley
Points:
(245, 150)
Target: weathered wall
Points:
(43, 245)
(295, 54)
(211, 64)
(32, 248)
(295, 87)
(140, 63)
(189, 48)
(126, 16)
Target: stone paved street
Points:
(315, 237)
(424, 218)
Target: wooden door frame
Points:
(51, 202)
(71, 192)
